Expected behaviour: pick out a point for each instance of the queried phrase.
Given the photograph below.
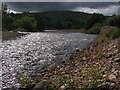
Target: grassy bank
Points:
(94, 67)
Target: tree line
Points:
(27, 21)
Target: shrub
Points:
(95, 29)
(115, 33)
(114, 21)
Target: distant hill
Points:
(65, 19)
(62, 19)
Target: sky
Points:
(106, 8)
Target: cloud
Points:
(12, 11)
(108, 11)
(107, 8)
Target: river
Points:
(25, 55)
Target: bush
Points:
(115, 33)
(95, 29)
(27, 23)
(114, 21)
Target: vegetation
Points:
(114, 21)
(56, 20)
(95, 18)
(26, 21)
(115, 33)
(94, 29)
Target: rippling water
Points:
(29, 53)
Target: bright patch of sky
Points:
(106, 11)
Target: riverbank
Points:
(93, 67)
(11, 35)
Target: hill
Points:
(65, 19)
(61, 19)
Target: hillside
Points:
(65, 19)
(61, 19)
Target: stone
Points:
(47, 75)
(77, 49)
(61, 69)
(104, 76)
(112, 77)
(63, 72)
(117, 59)
(63, 87)
(58, 67)
(103, 86)
(63, 61)
(42, 85)
(84, 59)
(116, 72)
(76, 71)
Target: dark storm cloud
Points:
(50, 6)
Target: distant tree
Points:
(28, 14)
(27, 23)
(40, 22)
(6, 18)
(4, 8)
(7, 21)
(114, 21)
(95, 18)
(58, 23)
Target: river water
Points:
(25, 55)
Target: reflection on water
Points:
(27, 54)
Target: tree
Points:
(40, 22)
(27, 23)
(95, 18)
(114, 21)
(6, 18)
(4, 8)
(7, 22)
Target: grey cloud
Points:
(74, 6)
